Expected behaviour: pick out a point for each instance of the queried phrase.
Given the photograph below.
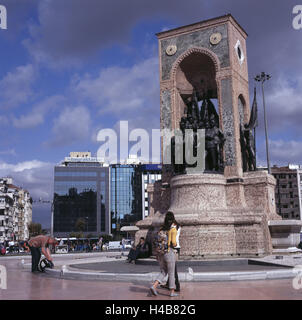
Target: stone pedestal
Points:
(285, 235)
(220, 217)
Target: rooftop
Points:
(200, 24)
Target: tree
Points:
(80, 225)
(106, 238)
(76, 235)
(35, 229)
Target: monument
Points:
(224, 210)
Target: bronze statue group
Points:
(207, 118)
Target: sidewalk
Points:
(22, 284)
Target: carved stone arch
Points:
(205, 51)
(197, 67)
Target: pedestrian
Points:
(166, 254)
(11, 245)
(100, 243)
(38, 244)
(2, 249)
(123, 243)
(177, 284)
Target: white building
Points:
(288, 191)
(15, 211)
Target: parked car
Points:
(114, 245)
(128, 244)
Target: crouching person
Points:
(38, 244)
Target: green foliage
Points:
(35, 229)
(106, 238)
(76, 235)
(80, 225)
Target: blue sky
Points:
(70, 68)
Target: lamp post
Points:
(262, 78)
(87, 224)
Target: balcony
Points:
(283, 190)
(283, 181)
(289, 210)
(285, 201)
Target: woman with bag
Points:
(166, 253)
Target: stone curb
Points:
(183, 276)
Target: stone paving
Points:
(22, 284)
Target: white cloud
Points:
(28, 121)
(281, 152)
(38, 113)
(16, 86)
(36, 177)
(286, 151)
(72, 125)
(69, 31)
(284, 104)
(10, 152)
(21, 166)
(123, 92)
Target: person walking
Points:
(177, 284)
(100, 243)
(166, 253)
(123, 243)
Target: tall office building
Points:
(81, 193)
(126, 196)
(150, 174)
(288, 191)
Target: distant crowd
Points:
(83, 245)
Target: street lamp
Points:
(262, 78)
(87, 224)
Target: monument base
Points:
(219, 216)
(285, 236)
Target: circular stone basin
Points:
(149, 265)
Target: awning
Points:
(129, 228)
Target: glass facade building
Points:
(126, 196)
(81, 192)
(151, 173)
